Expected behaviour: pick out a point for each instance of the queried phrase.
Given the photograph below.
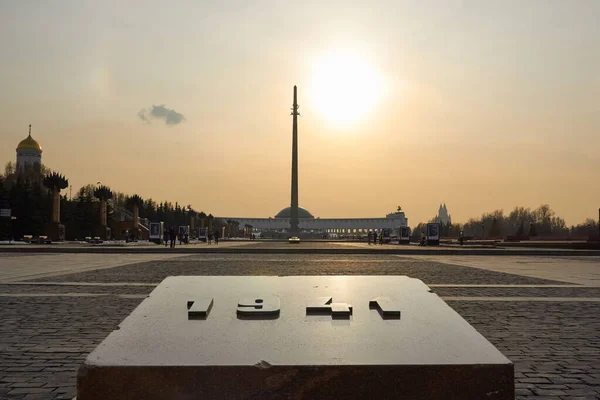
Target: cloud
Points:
(171, 117)
(143, 117)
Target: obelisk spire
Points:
(294, 204)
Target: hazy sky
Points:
(479, 104)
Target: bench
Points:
(43, 240)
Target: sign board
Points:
(433, 234)
(310, 337)
(386, 234)
(156, 231)
(202, 234)
(404, 235)
(5, 212)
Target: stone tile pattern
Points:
(555, 346)
(573, 292)
(428, 271)
(43, 341)
(115, 290)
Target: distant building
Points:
(308, 223)
(29, 153)
(443, 217)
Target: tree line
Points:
(521, 221)
(28, 193)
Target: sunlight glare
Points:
(345, 88)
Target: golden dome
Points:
(29, 143)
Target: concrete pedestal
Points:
(300, 337)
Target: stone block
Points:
(298, 337)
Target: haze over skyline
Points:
(481, 105)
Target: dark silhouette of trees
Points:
(80, 215)
(532, 230)
(521, 231)
(210, 219)
(521, 221)
(202, 217)
(589, 228)
(30, 198)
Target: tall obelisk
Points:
(294, 205)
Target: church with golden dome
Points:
(29, 152)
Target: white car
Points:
(294, 240)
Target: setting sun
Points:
(345, 88)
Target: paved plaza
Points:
(540, 311)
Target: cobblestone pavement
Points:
(57, 289)
(252, 264)
(554, 344)
(45, 339)
(573, 292)
(34, 266)
(577, 270)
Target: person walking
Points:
(166, 237)
(381, 238)
(209, 239)
(217, 234)
(369, 238)
(172, 236)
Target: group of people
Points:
(216, 237)
(171, 235)
(372, 236)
